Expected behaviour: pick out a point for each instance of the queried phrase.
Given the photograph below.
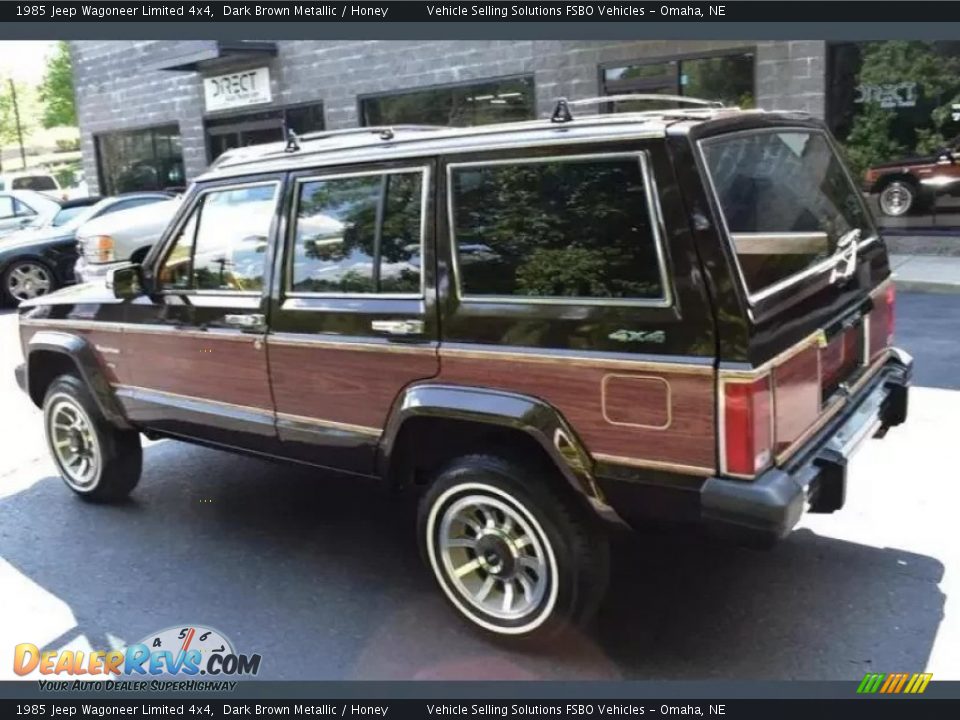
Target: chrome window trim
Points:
(172, 240)
(424, 171)
(653, 211)
(827, 263)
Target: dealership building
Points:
(154, 114)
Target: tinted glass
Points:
(777, 183)
(477, 104)
(556, 229)
(337, 247)
(725, 78)
(34, 182)
(150, 159)
(224, 244)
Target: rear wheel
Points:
(27, 279)
(96, 460)
(898, 197)
(514, 555)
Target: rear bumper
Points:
(767, 508)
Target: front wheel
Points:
(26, 280)
(514, 554)
(97, 461)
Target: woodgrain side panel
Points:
(577, 392)
(796, 391)
(342, 385)
(226, 368)
(109, 347)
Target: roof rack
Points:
(562, 114)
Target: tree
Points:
(879, 133)
(56, 89)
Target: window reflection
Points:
(337, 246)
(555, 229)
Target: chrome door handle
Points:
(248, 322)
(398, 327)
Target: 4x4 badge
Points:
(644, 336)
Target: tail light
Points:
(747, 426)
(890, 298)
(104, 248)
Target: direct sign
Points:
(239, 89)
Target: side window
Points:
(358, 234)
(223, 245)
(557, 228)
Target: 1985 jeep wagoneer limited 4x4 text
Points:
(683, 314)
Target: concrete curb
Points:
(926, 286)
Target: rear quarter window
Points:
(556, 228)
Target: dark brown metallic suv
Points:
(680, 315)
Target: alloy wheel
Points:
(74, 443)
(28, 280)
(496, 560)
(896, 199)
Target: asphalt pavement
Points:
(320, 574)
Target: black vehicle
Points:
(537, 327)
(38, 260)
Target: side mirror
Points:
(125, 281)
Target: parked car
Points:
(30, 180)
(38, 260)
(683, 316)
(20, 209)
(910, 185)
(105, 242)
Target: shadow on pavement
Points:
(321, 576)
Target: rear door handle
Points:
(398, 327)
(246, 322)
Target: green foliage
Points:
(876, 135)
(56, 89)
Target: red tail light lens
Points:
(747, 430)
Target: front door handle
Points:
(246, 322)
(398, 327)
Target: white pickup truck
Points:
(121, 237)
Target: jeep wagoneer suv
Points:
(683, 314)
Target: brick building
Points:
(154, 113)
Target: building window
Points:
(490, 101)
(893, 105)
(148, 159)
(226, 133)
(727, 78)
(359, 234)
(555, 228)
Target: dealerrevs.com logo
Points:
(185, 651)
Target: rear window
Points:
(34, 182)
(787, 201)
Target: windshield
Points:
(74, 216)
(34, 182)
(787, 201)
